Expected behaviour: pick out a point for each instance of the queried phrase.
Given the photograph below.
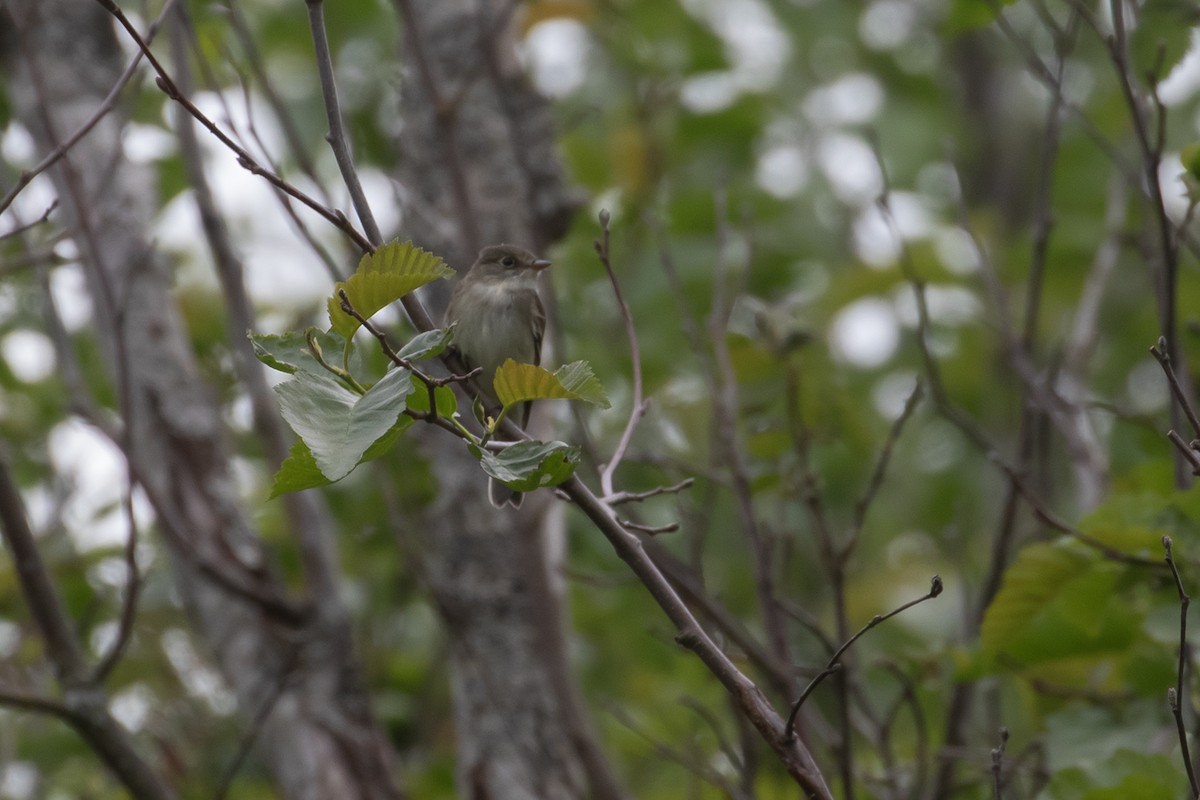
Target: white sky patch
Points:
(865, 333)
(10, 638)
(709, 92)
(19, 780)
(146, 143)
(101, 639)
(555, 53)
(1146, 388)
(850, 166)
(68, 287)
(887, 24)
(280, 269)
(1183, 80)
(948, 305)
(198, 678)
(875, 241)
(939, 446)
(131, 706)
(782, 171)
(94, 469)
(956, 250)
(29, 354)
(17, 146)
(1170, 178)
(755, 43)
(877, 236)
(938, 180)
(891, 392)
(852, 99)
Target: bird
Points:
(499, 316)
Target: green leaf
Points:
(428, 344)
(338, 425)
(290, 352)
(526, 466)
(578, 379)
(447, 403)
(517, 383)
(1189, 157)
(966, 15)
(299, 470)
(383, 277)
(1057, 602)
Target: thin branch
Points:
(637, 404)
(998, 766)
(881, 464)
(620, 498)
(255, 726)
(935, 589)
(729, 446)
(693, 764)
(908, 697)
(337, 130)
(1176, 695)
(84, 705)
(1163, 356)
(133, 590)
(244, 159)
(47, 609)
(395, 358)
(24, 227)
(1186, 449)
(650, 530)
(23, 701)
(750, 700)
(106, 105)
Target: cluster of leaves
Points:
(343, 419)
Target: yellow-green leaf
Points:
(382, 278)
(516, 383)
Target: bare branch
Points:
(1176, 695)
(935, 589)
(244, 159)
(998, 766)
(637, 404)
(337, 130)
(794, 756)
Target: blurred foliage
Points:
(735, 146)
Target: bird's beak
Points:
(540, 264)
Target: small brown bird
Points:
(499, 316)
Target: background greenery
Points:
(740, 142)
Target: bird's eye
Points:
(508, 261)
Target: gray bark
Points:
(319, 740)
(481, 168)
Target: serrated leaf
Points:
(428, 344)
(299, 470)
(382, 278)
(526, 466)
(338, 425)
(578, 378)
(289, 352)
(516, 383)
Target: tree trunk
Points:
(481, 168)
(318, 738)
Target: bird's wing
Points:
(538, 321)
